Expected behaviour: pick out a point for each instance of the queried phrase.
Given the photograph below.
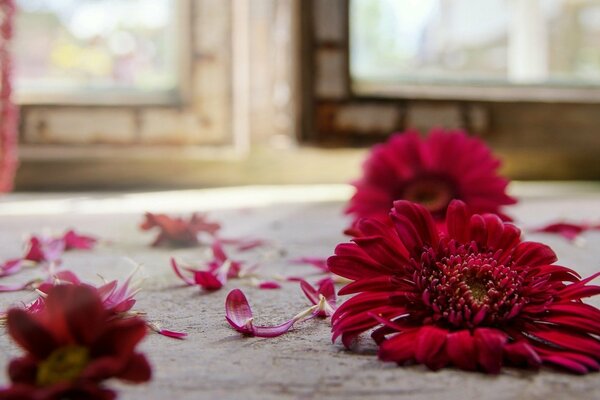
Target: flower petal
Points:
(461, 349)
(30, 333)
(490, 345)
(430, 347)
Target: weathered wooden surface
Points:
(216, 362)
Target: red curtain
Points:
(8, 110)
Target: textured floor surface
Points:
(217, 363)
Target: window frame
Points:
(199, 112)
(547, 134)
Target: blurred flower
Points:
(178, 232)
(72, 346)
(432, 171)
(476, 297)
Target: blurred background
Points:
(127, 94)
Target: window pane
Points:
(91, 45)
(550, 42)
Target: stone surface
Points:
(216, 362)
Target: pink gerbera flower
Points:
(476, 297)
(432, 172)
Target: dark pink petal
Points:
(208, 280)
(532, 254)
(239, 315)
(74, 240)
(273, 331)
(172, 334)
(569, 340)
(414, 224)
(457, 218)
(219, 252)
(311, 293)
(178, 272)
(430, 347)
(568, 230)
(490, 346)
(522, 354)
(30, 333)
(44, 250)
(461, 349)
(238, 311)
(319, 263)
(400, 348)
(269, 285)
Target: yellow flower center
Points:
(63, 365)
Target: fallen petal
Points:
(178, 272)
(239, 315)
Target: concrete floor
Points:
(215, 361)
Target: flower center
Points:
(465, 287)
(433, 193)
(63, 365)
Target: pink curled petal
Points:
(273, 331)
(269, 285)
(11, 267)
(219, 252)
(34, 251)
(327, 289)
(310, 292)
(73, 240)
(208, 281)
(172, 334)
(238, 312)
(177, 271)
(320, 263)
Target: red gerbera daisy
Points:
(476, 297)
(73, 345)
(430, 171)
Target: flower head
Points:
(179, 232)
(432, 172)
(72, 345)
(473, 295)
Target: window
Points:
(523, 74)
(89, 50)
(476, 42)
